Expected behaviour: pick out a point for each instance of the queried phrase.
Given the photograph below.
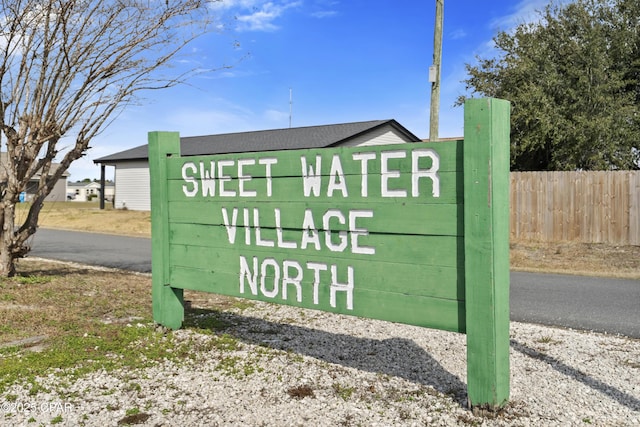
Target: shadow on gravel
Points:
(393, 356)
(615, 394)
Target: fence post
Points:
(168, 304)
(486, 231)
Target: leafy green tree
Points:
(573, 79)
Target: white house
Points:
(132, 166)
(84, 192)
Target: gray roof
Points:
(266, 140)
(4, 167)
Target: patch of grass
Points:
(204, 320)
(295, 357)
(7, 297)
(547, 340)
(239, 367)
(225, 343)
(134, 387)
(83, 322)
(229, 365)
(54, 300)
(35, 387)
(33, 280)
(343, 392)
(243, 304)
(112, 347)
(250, 369)
(132, 411)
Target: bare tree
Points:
(67, 67)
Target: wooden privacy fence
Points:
(589, 207)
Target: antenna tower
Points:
(290, 106)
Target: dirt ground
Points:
(588, 259)
(593, 259)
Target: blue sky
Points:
(343, 61)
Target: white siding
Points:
(382, 136)
(132, 186)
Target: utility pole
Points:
(434, 72)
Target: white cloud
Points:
(525, 11)
(324, 9)
(256, 15)
(235, 4)
(261, 20)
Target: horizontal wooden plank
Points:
(284, 189)
(444, 251)
(290, 162)
(376, 304)
(428, 173)
(413, 279)
(240, 215)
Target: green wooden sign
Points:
(409, 233)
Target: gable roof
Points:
(266, 140)
(3, 168)
(92, 184)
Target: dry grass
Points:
(69, 320)
(587, 259)
(54, 299)
(563, 257)
(87, 216)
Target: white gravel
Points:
(296, 367)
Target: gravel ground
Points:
(296, 367)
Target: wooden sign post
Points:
(409, 233)
(486, 235)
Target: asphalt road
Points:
(589, 303)
(105, 250)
